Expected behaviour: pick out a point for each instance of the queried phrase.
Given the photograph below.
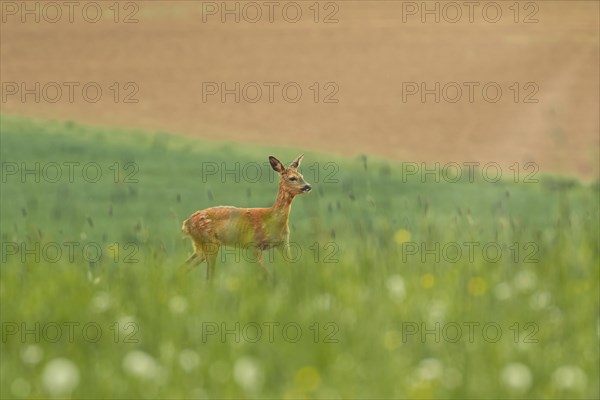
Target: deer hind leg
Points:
(210, 252)
(196, 258)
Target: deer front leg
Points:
(258, 258)
(285, 247)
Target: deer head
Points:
(290, 180)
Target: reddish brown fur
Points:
(252, 228)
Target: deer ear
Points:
(297, 161)
(276, 164)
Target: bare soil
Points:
(368, 55)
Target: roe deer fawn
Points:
(256, 229)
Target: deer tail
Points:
(185, 228)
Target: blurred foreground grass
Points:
(364, 310)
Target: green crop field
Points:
(398, 285)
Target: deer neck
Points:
(283, 202)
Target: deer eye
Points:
(293, 179)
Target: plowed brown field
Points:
(369, 55)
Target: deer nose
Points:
(306, 188)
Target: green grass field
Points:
(364, 310)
